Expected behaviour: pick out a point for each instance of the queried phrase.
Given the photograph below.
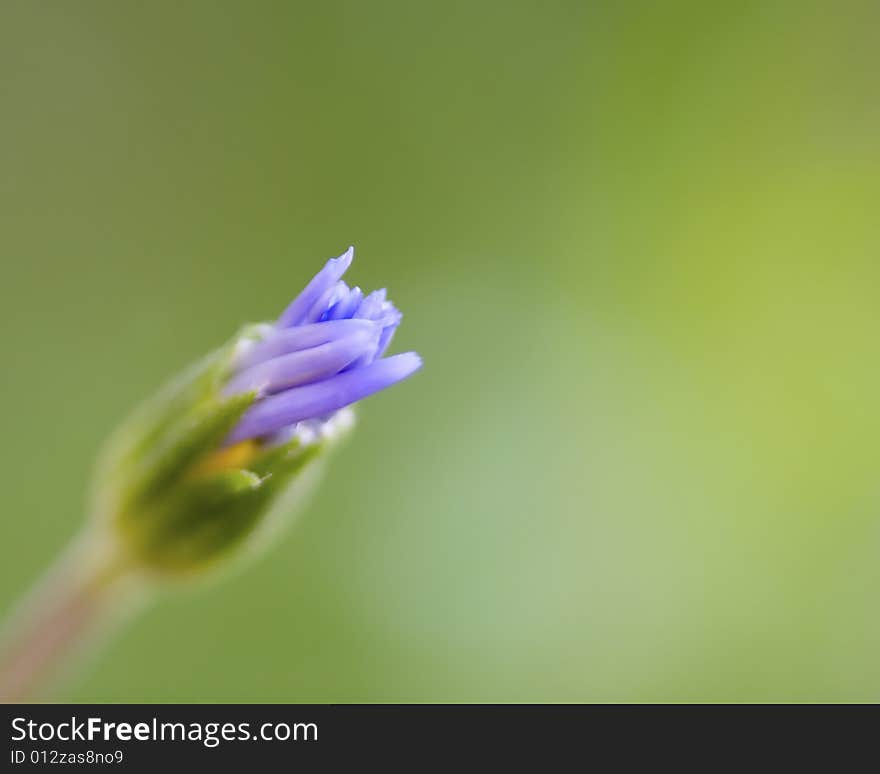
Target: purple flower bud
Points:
(323, 353)
(346, 308)
(319, 399)
(283, 341)
(320, 284)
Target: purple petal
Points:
(321, 282)
(371, 306)
(283, 341)
(375, 307)
(341, 295)
(315, 400)
(306, 365)
(347, 306)
(325, 301)
(385, 338)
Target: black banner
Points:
(144, 737)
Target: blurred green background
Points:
(637, 246)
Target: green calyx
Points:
(173, 497)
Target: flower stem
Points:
(67, 608)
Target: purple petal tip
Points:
(324, 353)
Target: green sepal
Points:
(184, 445)
(202, 521)
(189, 528)
(173, 514)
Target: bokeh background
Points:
(637, 246)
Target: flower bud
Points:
(225, 449)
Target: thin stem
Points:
(66, 608)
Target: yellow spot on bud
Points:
(237, 456)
